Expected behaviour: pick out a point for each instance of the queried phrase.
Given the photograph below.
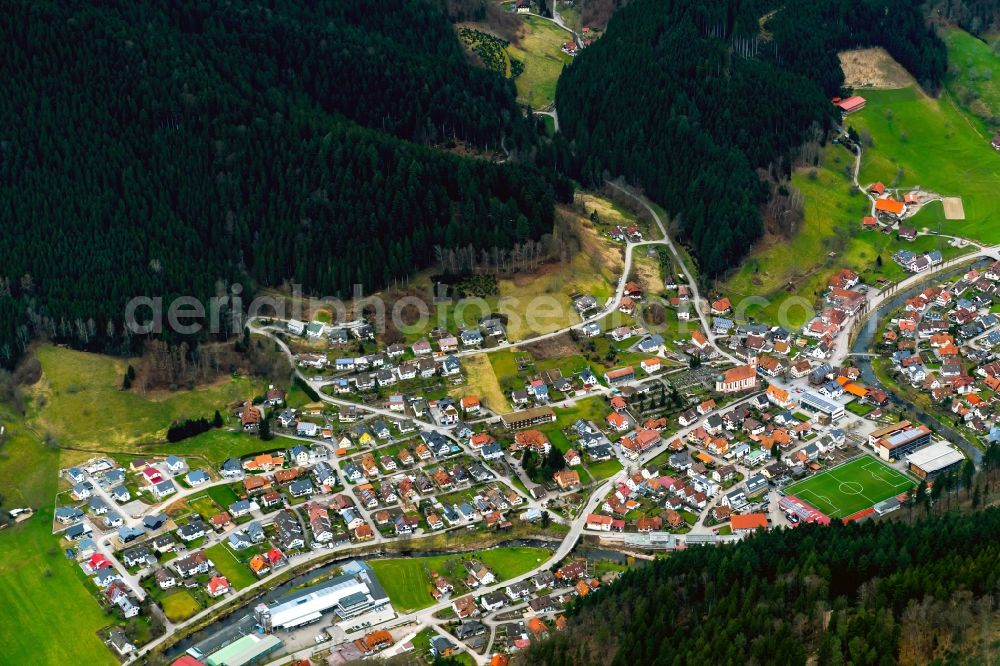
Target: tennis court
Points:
(856, 485)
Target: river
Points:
(863, 345)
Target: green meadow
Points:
(915, 141)
(79, 401)
(974, 74)
(919, 140)
(538, 47)
(228, 564)
(179, 606)
(407, 581)
(79, 398)
(215, 446)
(512, 562)
(50, 615)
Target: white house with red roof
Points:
(217, 586)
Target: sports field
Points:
(852, 487)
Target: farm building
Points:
(890, 207)
(851, 104)
(619, 376)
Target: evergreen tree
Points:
(529, 463)
(968, 471)
(700, 101)
(876, 592)
(554, 461)
(207, 145)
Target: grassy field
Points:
(570, 14)
(930, 142)
(830, 235)
(538, 302)
(37, 587)
(550, 125)
(915, 140)
(204, 506)
(512, 562)
(223, 495)
(406, 581)
(482, 381)
(538, 47)
(832, 215)
(42, 593)
(852, 487)
(179, 606)
(82, 401)
(504, 363)
(297, 398)
(590, 409)
(604, 470)
(859, 408)
(215, 446)
(975, 73)
(610, 213)
(225, 561)
(646, 270)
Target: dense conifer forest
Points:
(975, 16)
(872, 593)
(174, 148)
(689, 99)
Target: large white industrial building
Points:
(355, 597)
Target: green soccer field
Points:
(852, 487)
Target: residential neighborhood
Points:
(500, 333)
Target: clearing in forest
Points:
(873, 68)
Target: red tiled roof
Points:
(852, 103)
(889, 206)
(749, 521)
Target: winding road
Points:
(425, 617)
(576, 526)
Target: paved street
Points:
(424, 618)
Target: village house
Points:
(250, 417)
(567, 479)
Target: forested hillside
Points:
(688, 98)
(975, 16)
(166, 148)
(872, 593)
(807, 39)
